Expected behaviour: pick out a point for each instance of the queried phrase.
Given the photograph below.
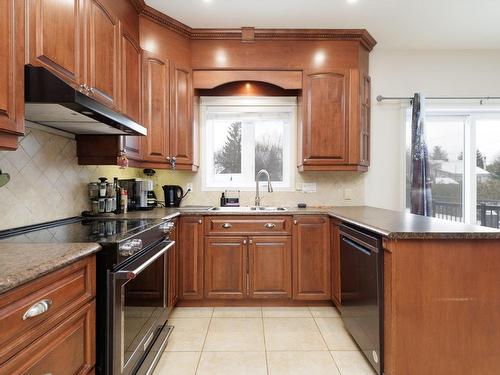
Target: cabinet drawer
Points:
(67, 349)
(248, 225)
(62, 292)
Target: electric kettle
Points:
(173, 195)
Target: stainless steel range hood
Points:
(50, 101)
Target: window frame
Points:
(470, 115)
(241, 180)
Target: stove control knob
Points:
(130, 247)
(166, 227)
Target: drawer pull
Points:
(269, 225)
(199, 221)
(226, 225)
(37, 309)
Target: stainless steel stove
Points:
(132, 311)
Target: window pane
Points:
(488, 172)
(227, 147)
(445, 142)
(269, 148)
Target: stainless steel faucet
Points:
(269, 186)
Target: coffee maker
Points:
(137, 191)
(152, 201)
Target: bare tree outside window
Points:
(269, 155)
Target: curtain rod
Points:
(381, 98)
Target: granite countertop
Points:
(387, 223)
(23, 262)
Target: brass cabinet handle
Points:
(269, 225)
(38, 308)
(226, 225)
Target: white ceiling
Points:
(395, 24)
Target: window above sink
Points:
(242, 135)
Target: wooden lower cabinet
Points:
(60, 340)
(226, 267)
(69, 348)
(270, 267)
(335, 248)
(311, 258)
(191, 257)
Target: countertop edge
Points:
(16, 279)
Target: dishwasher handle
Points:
(358, 246)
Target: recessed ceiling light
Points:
(352, 1)
(207, 1)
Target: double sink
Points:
(248, 209)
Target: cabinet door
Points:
(226, 267)
(131, 89)
(11, 73)
(311, 258)
(335, 246)
(190, 257)
(156, 108)
(56, 37)
(181, 126)
(103, 49)
(325, 133)
(365, 109)
(270, 266)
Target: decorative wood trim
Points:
(138, 5)
(250, 34)
(166, 21)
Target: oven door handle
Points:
(356, 246)
(133, 272)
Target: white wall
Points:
(402, 73)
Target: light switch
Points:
(347, 194)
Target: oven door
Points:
(137, 309)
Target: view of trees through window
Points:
(241, 140)
(457, 188)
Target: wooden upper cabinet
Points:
(190, 252)
(56, 37)
(131, 89)
(156, 108)
(181, 127)
(270, 267)
(311, 258)
(11, 73)
(226, 267)
(326, 125)
(103, 51)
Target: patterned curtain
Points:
(421, 194)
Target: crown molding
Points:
(360, 35)
(138, 5)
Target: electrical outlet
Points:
(309, 187)
(347, 194)
(189, 187)
(298, 186)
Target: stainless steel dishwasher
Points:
(361, 267)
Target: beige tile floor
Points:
(260, 341)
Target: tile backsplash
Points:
(46, 182)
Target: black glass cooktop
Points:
(79, 230)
